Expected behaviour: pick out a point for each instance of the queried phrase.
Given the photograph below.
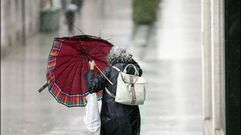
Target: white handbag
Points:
(92, 116)
(131, 89)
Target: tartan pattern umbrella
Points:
(68, 63)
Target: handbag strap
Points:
(136, 71)
(116, 68)
(125, 70)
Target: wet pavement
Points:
(170, 58)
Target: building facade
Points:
(19, 20)
(221, 66)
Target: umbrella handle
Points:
(46, 84)
(43, 87)
(103, 75)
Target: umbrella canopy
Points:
(68, 64)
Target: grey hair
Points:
(117, 53)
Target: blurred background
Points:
(163, 35)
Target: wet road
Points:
(170, 60)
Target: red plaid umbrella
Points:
(68, 64)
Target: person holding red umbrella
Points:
(116, 119)
(80, 65)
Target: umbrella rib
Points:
(76, 69)
(72, 55)
(99, 51)
(76, 56)
(67, 77)
(97, 54)
(100, 60)
(65, 68)
(67, 61)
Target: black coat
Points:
(116, 119)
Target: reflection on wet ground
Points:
(170, 60)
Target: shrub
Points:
(49, 20)
(145, 11)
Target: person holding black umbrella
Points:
(70, 16)
(79, 4)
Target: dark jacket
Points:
(116, 119)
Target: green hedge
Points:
(49, 20)
(145, 11)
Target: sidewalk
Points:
(171, 59)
